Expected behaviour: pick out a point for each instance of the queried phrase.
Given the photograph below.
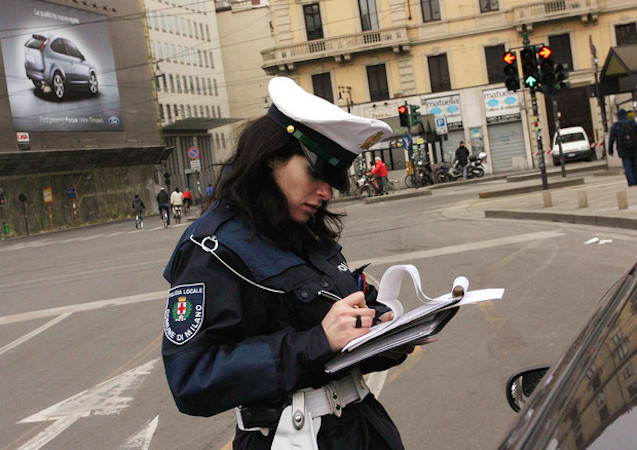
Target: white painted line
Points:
(34, 333)
(114, 234)
(105, 399)
(79, 307)
(460, 248)
(141, 440)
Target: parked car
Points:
(575, 146)
(58, 63)
(588, 399)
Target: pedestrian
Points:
(462, 156)
(163, 202)
(247, 324)
(380, 170)
(624, 133)
(209, 190)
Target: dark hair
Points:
(247, 183)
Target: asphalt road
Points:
(81, 323)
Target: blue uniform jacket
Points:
(228, 343)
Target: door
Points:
(506, 142)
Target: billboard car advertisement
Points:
(59, 68)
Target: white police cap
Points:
(330, 137)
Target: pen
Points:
(328, 295)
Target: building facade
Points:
(191, 89)
(445, 57)
(80, 132)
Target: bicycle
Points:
(139, 222)
(177, 214)
(164, 215)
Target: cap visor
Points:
(336, 177)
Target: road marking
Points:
(79, 307)
(460, 248)
(105, 399)
(141, 440)
(34, 333)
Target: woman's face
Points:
(304, 190)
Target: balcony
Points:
(341, 48)
(549, 10)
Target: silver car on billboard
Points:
(58, 63)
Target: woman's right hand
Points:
(339, 324)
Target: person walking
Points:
(163, 202)
(209, 190)
(380, 170)
(624, 134)
(253, 313)
(462, 156)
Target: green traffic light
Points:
(530, 81)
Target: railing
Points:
(342, 45)
(552, 9)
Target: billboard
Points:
(59, 68)
(501, 105)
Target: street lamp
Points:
(347, 90)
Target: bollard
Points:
(622, 200)
(546, 197)
(582, 199)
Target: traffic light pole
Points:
(558, 136)
(538, 138)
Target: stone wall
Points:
(102, 195)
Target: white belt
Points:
(328, 399)
(335, 395)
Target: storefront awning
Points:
(42, 161)
(619, 73)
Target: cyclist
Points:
(176, 201)
(138, 208)
(187, 200)
(164, 203)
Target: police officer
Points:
(255, 311)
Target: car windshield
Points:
(573, 137)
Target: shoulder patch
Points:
(183, 316)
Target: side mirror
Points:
(521, 385)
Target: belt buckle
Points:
(333, 397)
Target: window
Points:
(161, 112)
(214, 82)
(212, 61)
(369, 16)
(172, 82)
(322, 83)
(439, 73)
(377, 80)
(430, 10)
(178, 83)
(192, 85)
(561, 46)
(169, 113)
(626, 34)
(493, 56)
(488, 5)
(313, 24)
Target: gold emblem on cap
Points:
(371, 140)
(290, 129)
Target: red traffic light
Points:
(509, 58)
(402, 109)
(545, 52)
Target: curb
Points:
(531, 188)
(600, 166)
(382, 198)
(600, 221)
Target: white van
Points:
(575, 145)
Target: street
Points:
(81, 323)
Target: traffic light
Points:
(547, 69)
(512, 80)
(403, 115)
(529, 66)
(414, 114)
(560, 76)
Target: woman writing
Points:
(253, 313)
